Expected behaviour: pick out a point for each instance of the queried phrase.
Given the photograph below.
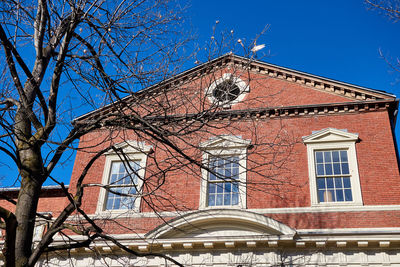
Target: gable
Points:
(266, 91)
(270, 86)
(224, 141)
(330, 135)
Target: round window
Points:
(226, 91)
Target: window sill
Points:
(117, 213)
(337, 204)
(222, 207)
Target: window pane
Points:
(345, 168)
(113, 178)
(117, 204)
(211, 200)
(338, 183)
(131, 190)
(321, 183)
(211, 188)
(329, 182)
(346, 182)
(339, 195)
(319, 157)
(109, 203)
(330, 196)
(219, 200)
(335, 156)
(212, 177)
(327, 156)
(235, 173)
(121, 167)
(220, 187)
(328, 169)
(228, 187)
(320, 169)
(343, 156)
(235, 187)
(220, 173)
(235, 199)
(348, 195)
(227, 199)
(321, 195)
(336, 168)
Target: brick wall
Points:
(274, 187)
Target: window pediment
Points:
(330, 135)
(224, 141)
(131, 147)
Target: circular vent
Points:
(226, 91)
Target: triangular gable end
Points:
(131, 147)
(352, 92)
(330, 135)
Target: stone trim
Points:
(267, 112)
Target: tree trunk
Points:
(32, 177)
(25, 213)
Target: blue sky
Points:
(336, 39)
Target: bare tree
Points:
(63, 57)
(55, 50)
(391, 10)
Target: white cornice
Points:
(319, 209)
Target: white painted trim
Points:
(333, 139)
(225, 145)
(191, 220)
(353, 231)
(243, 87)
(134, 151)
(322, 209)
(223, 141)
(330, 135)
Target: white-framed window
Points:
(227, 90)
(332, 167)
(123, 185)
(224, 178)
(123, 177)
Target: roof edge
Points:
(341, 88)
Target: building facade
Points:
(238, 162)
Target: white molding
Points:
(243, 87)
(330, 135)
(333, 139)
(350, 231)
(134, 151)
(223, 141)
(316, 235)
(225, 145)
(317, 209)
(326, 209)
(130, 147)
(194, 220)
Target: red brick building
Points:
(242, 163)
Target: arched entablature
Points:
(220, 223)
